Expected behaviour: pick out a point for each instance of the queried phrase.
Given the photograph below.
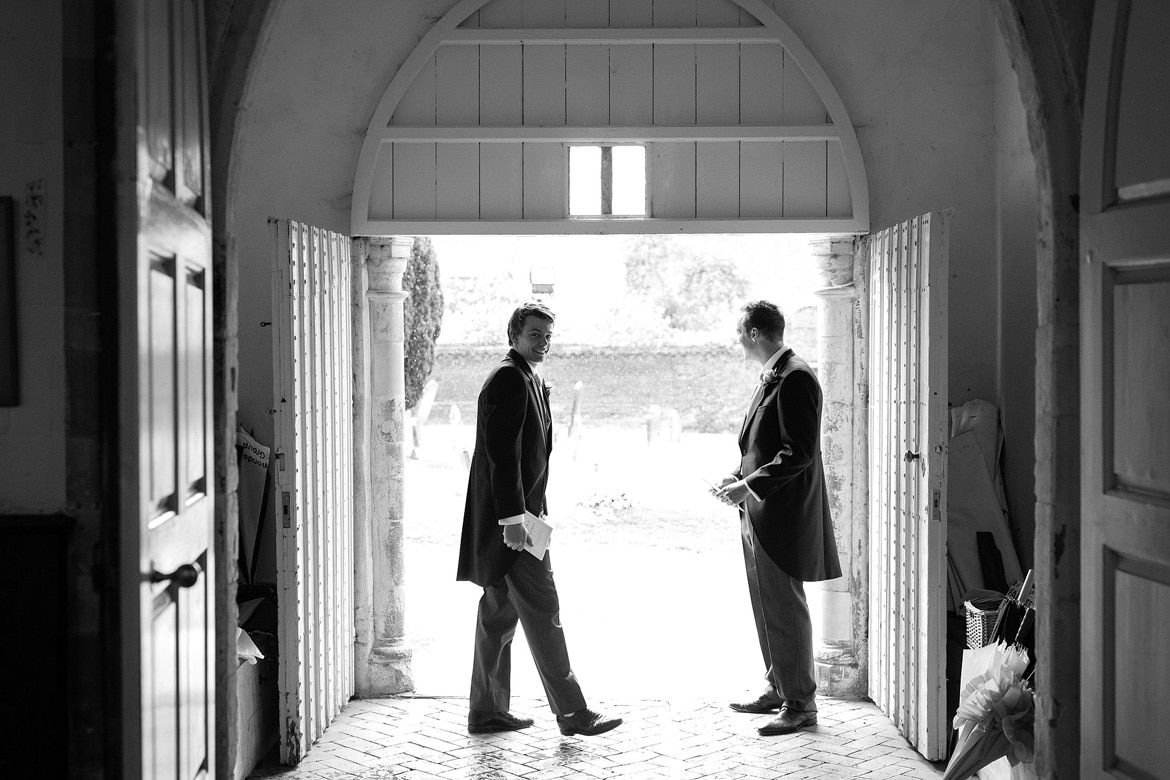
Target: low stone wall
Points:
(708, 385)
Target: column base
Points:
(387, 671)
(837, 672)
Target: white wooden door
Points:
(314, 480)
(167, 401)
(1125, 394)
(908, 426)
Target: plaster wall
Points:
(317, 78)
(1017, 230)
(917, 78)
(32, 434)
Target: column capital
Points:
(834, 259)
(386, 258)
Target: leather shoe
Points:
(789, 721)
(587, 723)
(757, 707)
(485, 722)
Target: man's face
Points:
(745, 340)
(534, 340)
(752, 350)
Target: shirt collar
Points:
(772, 361)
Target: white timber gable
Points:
(742, 129)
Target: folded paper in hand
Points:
(539, 534)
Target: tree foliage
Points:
(691, 291)
(422, 315)
(478, 306)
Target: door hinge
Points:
(280, 458)
(286, 515)
(937, 508)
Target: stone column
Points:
(388, 659)
(843, 618)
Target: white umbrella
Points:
(995, 714)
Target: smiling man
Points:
(509, 474)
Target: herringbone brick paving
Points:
(415, 738)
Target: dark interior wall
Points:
(1017, 219)
(32, 432)
(1047, 43)
(56, 443)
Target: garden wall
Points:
(709, 385)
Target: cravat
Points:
(541, 398)
(756, 396)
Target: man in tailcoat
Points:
(509, 474)
(787, 534)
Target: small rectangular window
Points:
(607, 181)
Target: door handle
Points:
(911, 456)
(185, 576)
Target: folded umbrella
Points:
(995, 714)
(974, 750)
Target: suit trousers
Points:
(526, 595)
(783, 625)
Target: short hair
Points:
(765, 317)
(523, 312)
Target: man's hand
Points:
(515, 536)
(732, 491)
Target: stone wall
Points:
(708, 385)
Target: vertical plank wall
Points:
(313, 442)
(908, 437)
(536, 84)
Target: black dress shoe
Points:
(482, 722)
(789, 721)
(757, 707)
(586, 723)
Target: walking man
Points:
(509, 474)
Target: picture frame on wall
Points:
(9, 359)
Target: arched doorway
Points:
(1055, 49)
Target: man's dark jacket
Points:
(780, 447)
(509, 469)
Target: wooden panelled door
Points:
(167, 408)
(908, 428)
(1125, 394)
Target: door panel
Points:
(1125, 404)
(160, 368)
(908, 426)
(314, 445)
(195, 417)
(167, 422)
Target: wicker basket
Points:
(980, 623)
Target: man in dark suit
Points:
(785, 526)
(509, 473)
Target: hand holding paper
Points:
(716, 490)
(539, 535)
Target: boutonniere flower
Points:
(769, 376)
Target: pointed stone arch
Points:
(448, 151)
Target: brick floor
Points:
(420, 738)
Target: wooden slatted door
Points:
(908, 427)
(1125, 395)
(314, 480)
